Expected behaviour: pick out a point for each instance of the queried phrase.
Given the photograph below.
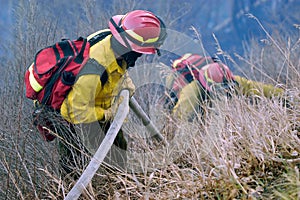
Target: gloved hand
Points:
(110, 112)
(128, 85)
(125, 83)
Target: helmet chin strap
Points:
(118, 48)
(122, 53)
(121, 31)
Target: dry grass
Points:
(243, 151)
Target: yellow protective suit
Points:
(89, 99)
(189, 96)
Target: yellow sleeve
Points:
(188, 100)
(249, 87)
(79, 106)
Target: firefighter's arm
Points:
(249, 88)
(79, 106)
(188, 100)
(125, 83)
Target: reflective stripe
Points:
(33, 82)
(140, 38)
(184, 57)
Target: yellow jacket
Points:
(249, 88)
(88, 98)
(189, 96)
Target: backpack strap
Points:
(93, 67)
(97, 38)
(80, 58)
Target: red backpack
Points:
(188, 67)
(51, 76)
(54, 70)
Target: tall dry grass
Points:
(243, 151)
(247, 149)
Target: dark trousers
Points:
(78, 143)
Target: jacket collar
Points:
(106, 57)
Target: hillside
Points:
(244, 148)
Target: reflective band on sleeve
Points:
(140, 38)
(33, 82)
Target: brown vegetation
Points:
(243, 151)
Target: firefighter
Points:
(196, 79)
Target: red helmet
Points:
(140, 31)
(215, 74)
